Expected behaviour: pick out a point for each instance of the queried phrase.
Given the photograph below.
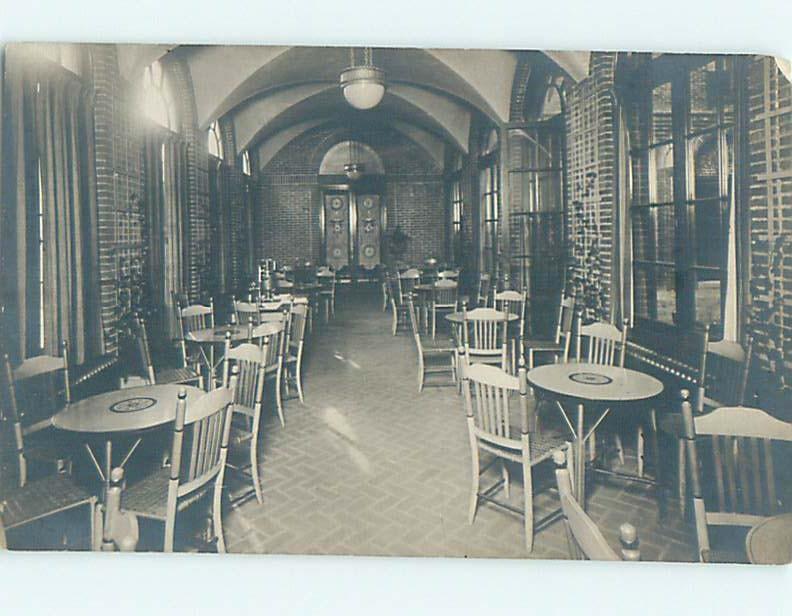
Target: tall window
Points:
(455, 211)
(489, 189)
(158, 102)
(682, 136)
(215, 141)
(246, 168)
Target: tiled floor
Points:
(370, 466)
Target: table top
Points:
(305, 287)
(594, 382)
(459, 317)
(217, 334)
(125, 410)
(770, 541)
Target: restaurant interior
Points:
(396, 301)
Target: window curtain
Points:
(220, 202)
(49, 166)
(165, 167)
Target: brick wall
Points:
(119, 186)
(198, 233)
(289, 195)
(770, 222)
(590, 168)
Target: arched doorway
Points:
(353, 213)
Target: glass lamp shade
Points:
(363, 86)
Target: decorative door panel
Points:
(368, 230)
(336, 230)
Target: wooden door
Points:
(368, 230)
(336, 216)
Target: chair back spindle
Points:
(740, 442)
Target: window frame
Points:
(685, 269)
(490, 206)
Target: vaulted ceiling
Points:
(273, 94)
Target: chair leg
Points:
(657, 469)
(619, 447)
(474, 485)
(395, 318)
(298, 377)
(95, 511)
(640, 450)
(505, 475)
(421, 373)
(254, 468)
(434, 323)
(217, 514)
(682, 476)
(528, 503)
(278, 400)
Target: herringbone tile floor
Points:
(369, 466)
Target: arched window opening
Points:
(215, 141)
(157, 99)
(246, 169)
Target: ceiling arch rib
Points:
(266, 116)
(574, 63)
(489, 72)
(226, 77)
(133, 58)
(269, 148)
(217, 71)
(249, 120)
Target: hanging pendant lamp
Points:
(353, 169)
(363, 85)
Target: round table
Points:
(122, 411)
(217, 335)
(212, 336)
(584, 383)
(770, 541)
(458, 318)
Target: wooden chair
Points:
(430, 351)
(399, 304)
(199, 450)
(407, 281)
(293, 356)
(445, 298)
(600, 343)
(36, 412)
(245, 311)
(182, 375)
(489, 394)
(513, 302)
(386, 276)
(724, 368)
(23, 501)
(193, 318)
(483, 290)
(276, 346)
(585, 539)
(558, 346)
(605, 344)
(250, 362)
(484, 336)
(741, 442)
(327, 291)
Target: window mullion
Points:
(685, 283)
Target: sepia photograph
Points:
(396, 301)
